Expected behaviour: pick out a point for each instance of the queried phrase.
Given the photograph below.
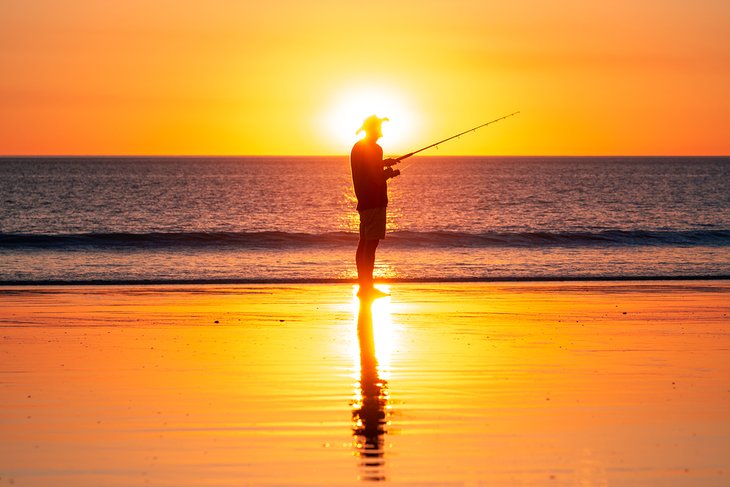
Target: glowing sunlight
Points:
(350, 108)
(383, 331)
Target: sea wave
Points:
(404, 239)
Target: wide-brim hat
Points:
(373, 121)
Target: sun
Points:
(351, 107)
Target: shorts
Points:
(372, 224)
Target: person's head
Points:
(372, 126)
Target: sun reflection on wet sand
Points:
(370, 409)
(449, 383)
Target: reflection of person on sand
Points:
(369, 175)
(368, 416)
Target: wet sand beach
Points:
(575, 383)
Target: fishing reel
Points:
(390, 173)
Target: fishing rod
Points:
(406, 156)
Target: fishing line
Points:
(473, 129)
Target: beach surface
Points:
(565, 383)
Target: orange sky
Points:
(276, 77)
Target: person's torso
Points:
(366, 162)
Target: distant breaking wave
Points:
(401, 239)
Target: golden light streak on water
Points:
(370, 409)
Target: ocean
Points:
(293, 219)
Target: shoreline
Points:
(243, 282)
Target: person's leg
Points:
(369, 262)
(367, 289)
(360, 260)
(365, 261)
(372, 229)
(372, 246)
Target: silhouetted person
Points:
(369, 175)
